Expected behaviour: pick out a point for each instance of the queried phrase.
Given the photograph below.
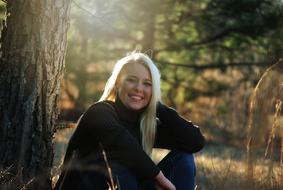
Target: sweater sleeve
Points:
(175, 132)
(101, 122)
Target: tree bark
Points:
(33, 47)
(148, 40)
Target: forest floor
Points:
(219, 167)
(223, 167)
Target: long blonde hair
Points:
(148, 117)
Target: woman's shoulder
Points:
(102, 107)
(99, 112)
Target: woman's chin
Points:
(136, 107)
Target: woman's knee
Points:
(178, 161)
(186, 163)
(180, 168)
(184, 171)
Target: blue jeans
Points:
(178, 167)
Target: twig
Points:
(85, 10)
(27, 184)
(109, 171)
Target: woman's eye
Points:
(131, 79)
(148, 84)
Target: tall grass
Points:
(266, 103)
(10, 181)
(221, 170)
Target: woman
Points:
(127, 122)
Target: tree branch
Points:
(216, 65)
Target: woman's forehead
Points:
(138, 69)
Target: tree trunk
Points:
(149, 27)
(33, 47)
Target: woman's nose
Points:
(138, 86)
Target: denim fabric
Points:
(178, 167)
(92, 180)
(126, 180)
(99, 180)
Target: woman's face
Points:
(135, 86)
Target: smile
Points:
(135, 98)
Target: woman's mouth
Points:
(135, 97)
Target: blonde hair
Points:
(148, 117)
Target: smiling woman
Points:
(124, 125)
(134, 86)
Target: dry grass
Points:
(10, 181)
(223, 167)
(218, 168)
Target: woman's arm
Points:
(175, 132)
(101, 124)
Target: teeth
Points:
(136, 97)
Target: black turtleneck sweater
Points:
(116, 128)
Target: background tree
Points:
(33, 47)
(210, 53)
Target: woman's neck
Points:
(125, 113)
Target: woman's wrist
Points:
(163, 183)
(159, 176)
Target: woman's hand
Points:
(162, 183)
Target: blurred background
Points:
(211, 55)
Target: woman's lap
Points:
(177, 166)
(97, 180)
(180, 169)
